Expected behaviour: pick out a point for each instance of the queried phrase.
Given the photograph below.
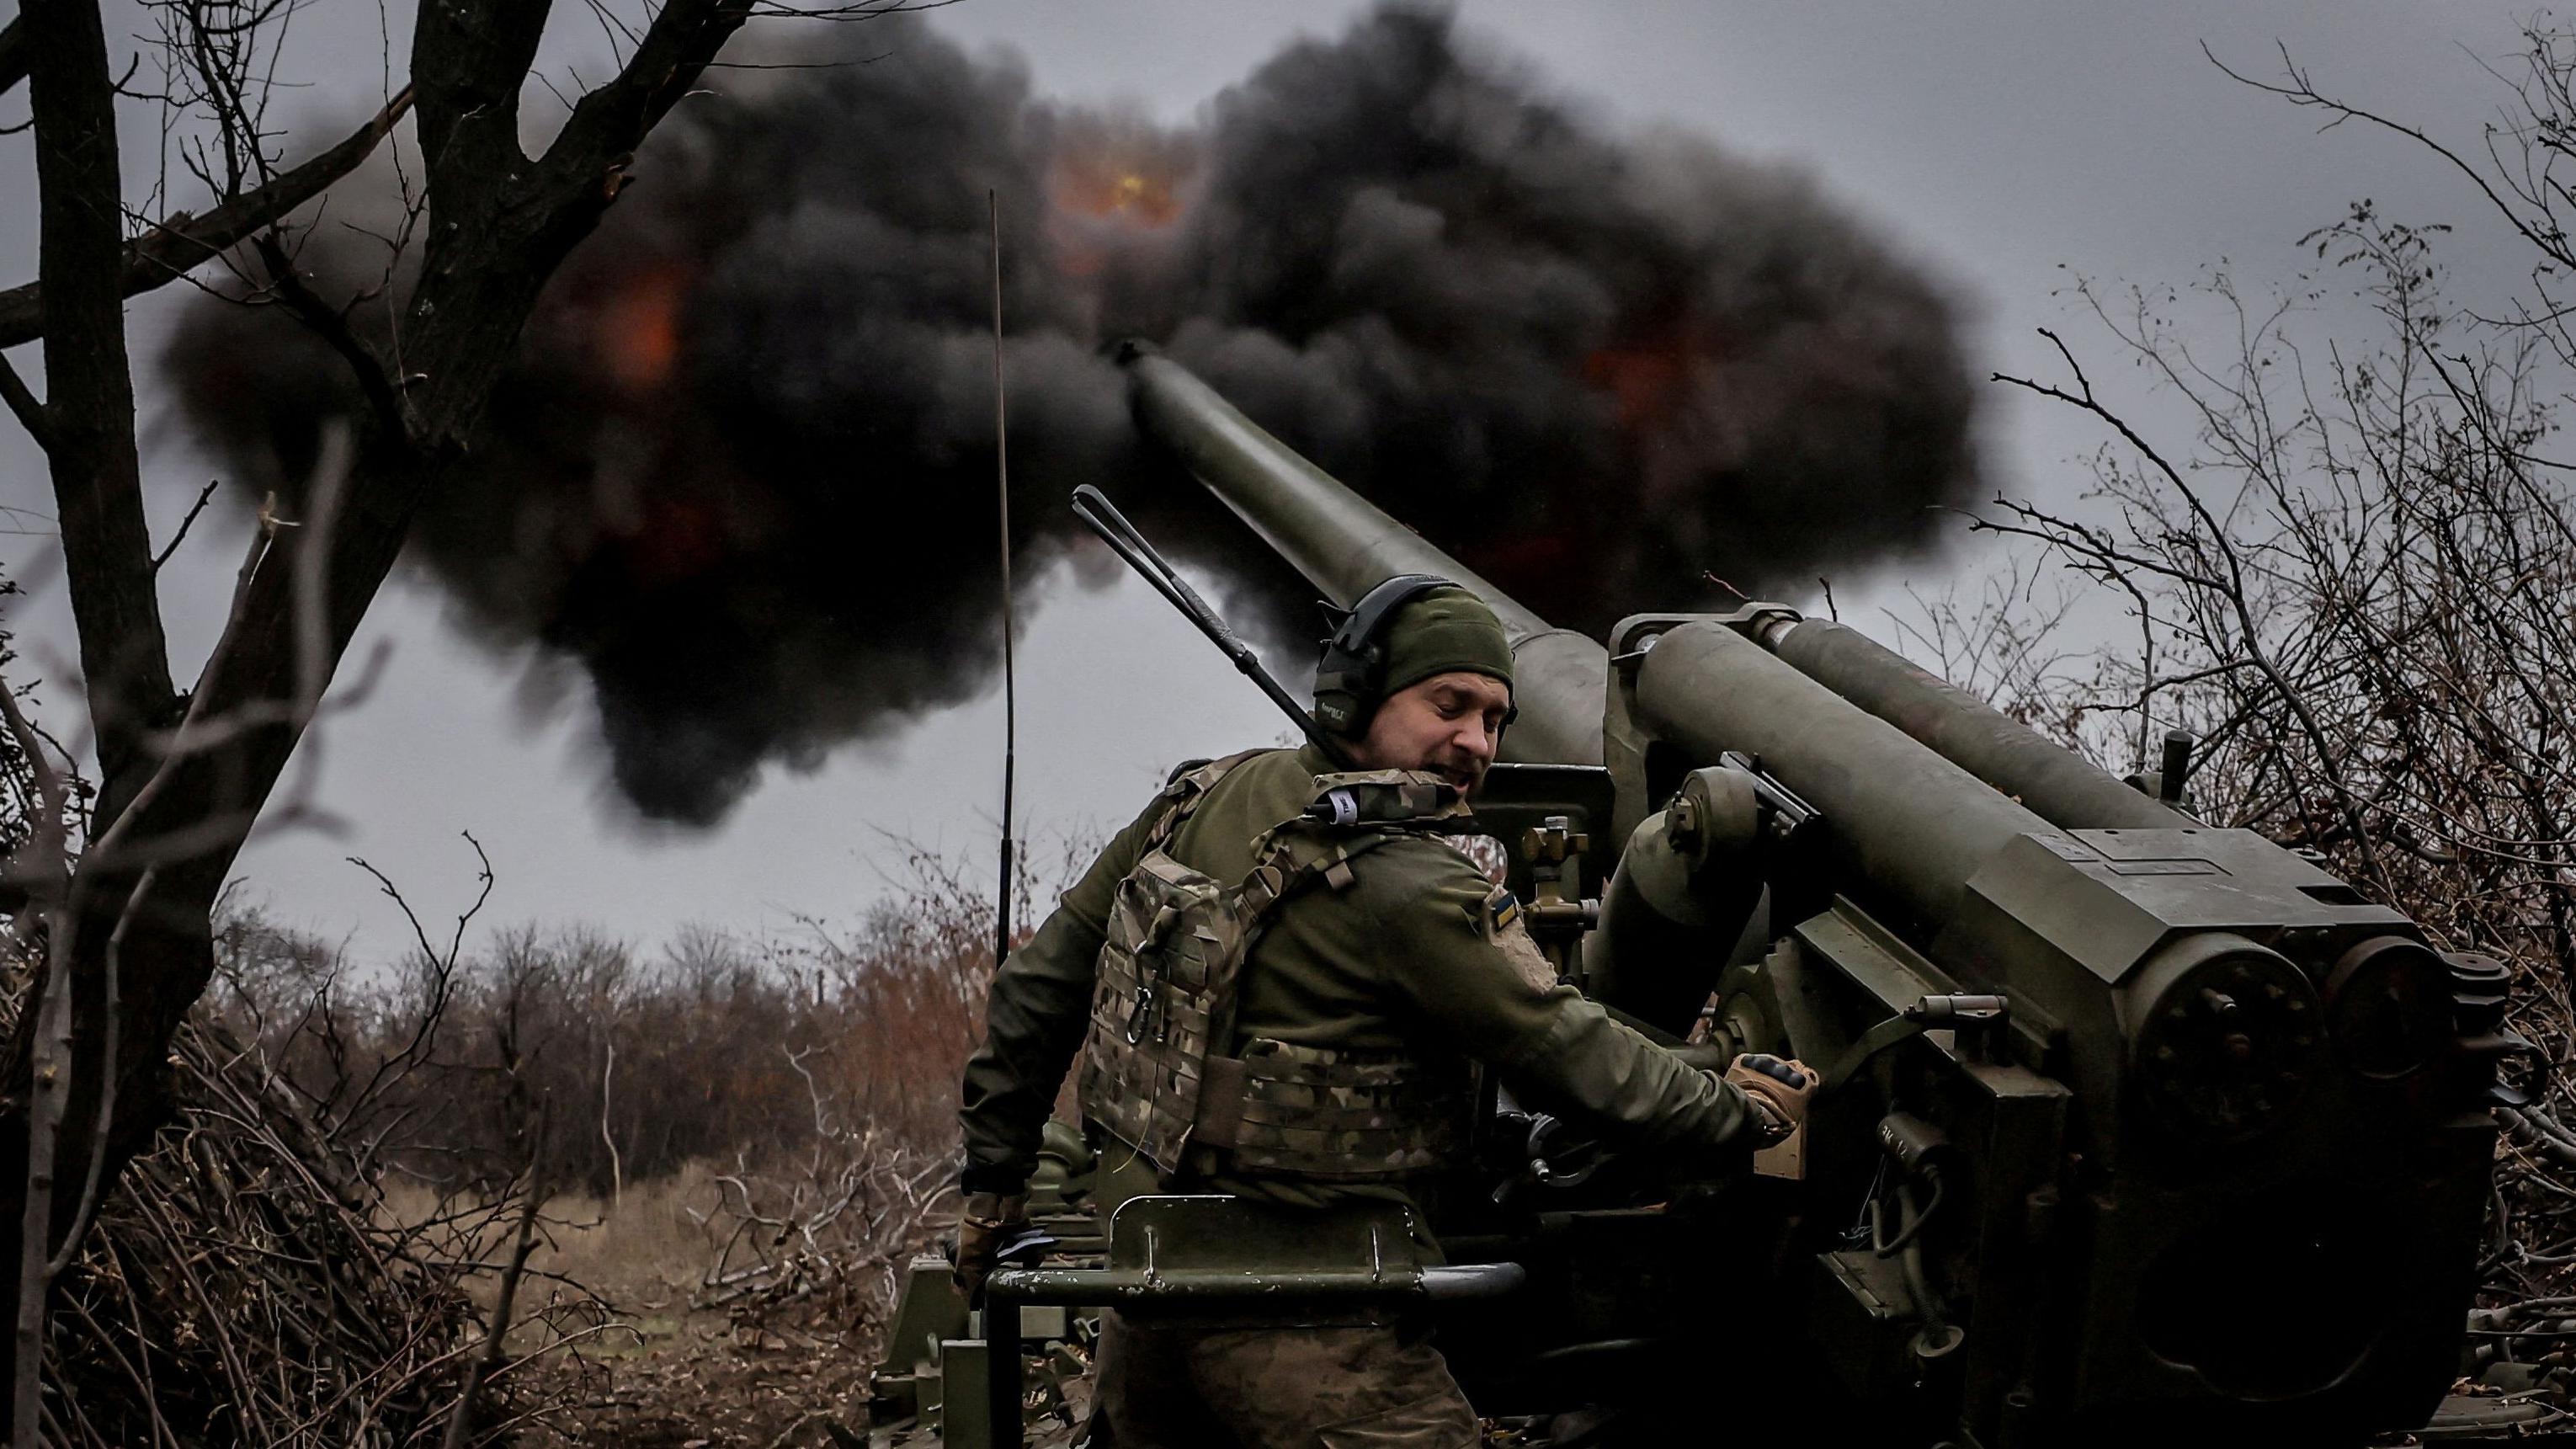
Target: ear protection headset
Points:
(1350, 679)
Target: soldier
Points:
(1281, 987)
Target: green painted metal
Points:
(1344, 545)
(1909, 823)
(2170, 1139)
(1211, 1253)
(968, 1412)
(2052, 782)
(928, 1311)
(1211, 1250)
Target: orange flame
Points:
(639, 329)
(1108, 186)
(1646, 379)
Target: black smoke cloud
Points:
(742, 471)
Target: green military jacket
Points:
(1409, 959)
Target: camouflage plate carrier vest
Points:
(1163, 1071)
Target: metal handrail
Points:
(1011, 1289)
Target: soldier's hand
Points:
(987, 1221)
(1777, 1088)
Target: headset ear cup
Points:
(1337, 711)
(1349, 678)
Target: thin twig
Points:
(185, 524)
(460, 1420)
(103, 1117)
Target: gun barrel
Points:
(2054, 783)
(1344, 545)
(1914, 824)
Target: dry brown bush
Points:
(793, 1095)
(725, 1047)
(244, 1284)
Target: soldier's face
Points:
(1448, 724)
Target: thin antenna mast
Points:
(1103, 518)
(1010, 682)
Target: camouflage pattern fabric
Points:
(1158, 1075)
(1164, 986)
(1164, 989)
(1170, 1384)
(1349, 1116)
(1417, 956)
(1412, 799)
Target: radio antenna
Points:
(1124, 539)
(1010, 682)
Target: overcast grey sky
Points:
(1995, 141)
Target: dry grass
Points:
(670, 1364)
(652, 1242)
(645, 1245)
(742, 1142)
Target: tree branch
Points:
(468, 61)
(487, 1361)
(29, 412)
(181, 536)
(13, 55)
(173, 248)
(2300, 91)
(50, 890)
(331, 324)
(609, 122)
(2233, 594)
(89, 391)
(103, 1115)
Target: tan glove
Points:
(1777, 1088)
(987, 1221)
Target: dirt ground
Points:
(694, 1380)
(700, 1380)
(619, 1345)
(654, 1372)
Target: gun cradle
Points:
(2133, 1129)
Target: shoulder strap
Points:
(1286, 869)
(1187, 789)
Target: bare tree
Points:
(2351, 579)
(182, 775)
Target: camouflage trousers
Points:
(1166, 1384)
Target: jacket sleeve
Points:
(1035, 1019)
(1555, 1048)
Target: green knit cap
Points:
(1444, 630)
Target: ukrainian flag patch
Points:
(1501, 909)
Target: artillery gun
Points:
(2133, 1129)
